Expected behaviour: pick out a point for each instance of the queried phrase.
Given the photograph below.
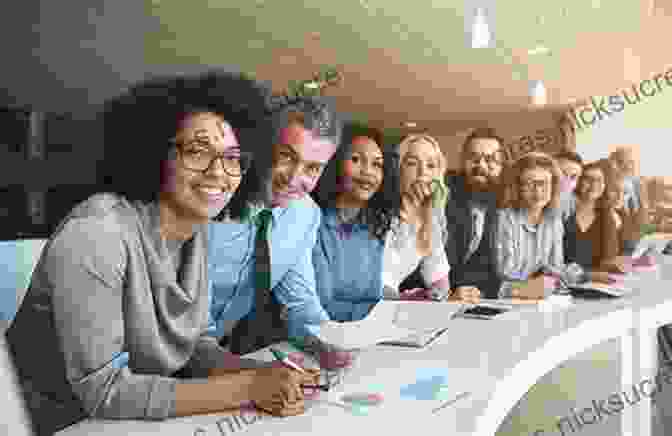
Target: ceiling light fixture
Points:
(480, 32)
(410, 124)
(538, 93)
(540, 49)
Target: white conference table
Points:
(497, 360)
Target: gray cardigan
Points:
(14, 418)
(107, 319)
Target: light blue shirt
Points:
(232, 272)
(632, 193)
(348, 268)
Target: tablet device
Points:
(483, 312)
(599, 290)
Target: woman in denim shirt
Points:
(358, 199)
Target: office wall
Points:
(520, 131)
(65, 57)
(644, 125)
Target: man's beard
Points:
(478, 185)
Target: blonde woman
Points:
(416, 238)
(528, 240)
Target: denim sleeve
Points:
(297, 289)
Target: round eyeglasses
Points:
(537, 185)
(491, 159)
(199, 158)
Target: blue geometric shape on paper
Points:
(431, 388)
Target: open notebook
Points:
(402, 323)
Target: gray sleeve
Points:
(506, 248)
(85, 265)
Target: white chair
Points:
(17, 262)
(14, 420)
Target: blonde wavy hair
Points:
(509, 195)
(424, 243)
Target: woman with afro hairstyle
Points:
(118, 303)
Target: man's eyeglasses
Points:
(490, 159)
(592, 180)
(199, 156)
(537, 185)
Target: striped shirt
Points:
(522, 249)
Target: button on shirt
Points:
(232, 273)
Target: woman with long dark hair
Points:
(358, 195)
(591, 236)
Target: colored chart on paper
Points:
(430, 385)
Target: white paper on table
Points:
(390, 322)
(378, 326)
(400, 397)
(424, 316)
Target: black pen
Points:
(324, 388)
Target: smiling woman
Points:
(359, 198)
(119, 299)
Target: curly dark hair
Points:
(384, 205)
(313, 113)
(139, 124)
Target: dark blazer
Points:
(459, 225)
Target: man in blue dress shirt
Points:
(305, 135)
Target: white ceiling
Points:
(412, 61)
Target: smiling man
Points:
(470, 210)
(263, 280)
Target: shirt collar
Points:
(331, 219)
(276, 212)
